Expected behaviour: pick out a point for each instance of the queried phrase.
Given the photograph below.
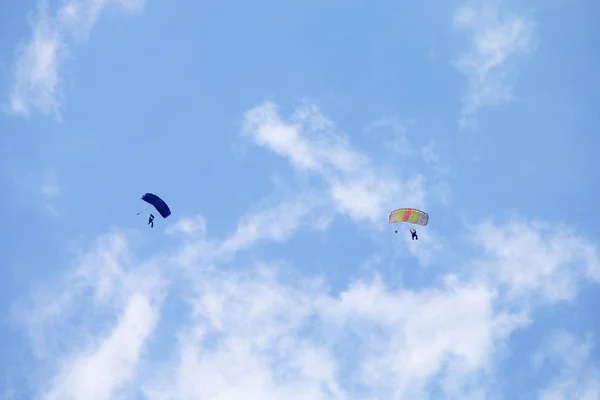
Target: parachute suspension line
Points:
(143, 210)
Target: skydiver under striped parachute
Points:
(413, 232)
(411, 215)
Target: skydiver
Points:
(151, 221)
(413, 232)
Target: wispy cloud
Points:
(430, 155)
(577, 375)
(37, 81)
(497, 37)
(270, 223)
(107, 275)
(99, 371)
(275, 224)
(557, 258)
(255, 329)
(195, 225)
(308, 140)
(292, 340)
(262, 331)
(394, 133)
(49, 187)
(311, 143)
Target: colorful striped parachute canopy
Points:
(411, 215)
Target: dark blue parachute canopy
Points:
(158, 203)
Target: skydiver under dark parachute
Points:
(159, 204)
(410, 215)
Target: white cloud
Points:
(36, 77)
(262, 332)
(537, 260)
(276, 224)
(256, 330)
(396, 139)
(496, 39)
(578, 375)
(37, 71)
(308, 140)
(424, 249)
(311, 143)
(369, 197)
(78, 17)
(395, 133)
(256, 336)
(41, 316)
(52, 211)
(432, 158)
(50, 188)
(99, 372)
(105, 275)
(188, 226)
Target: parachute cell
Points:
(158, 203)
(411, 215)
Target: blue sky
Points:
(281, 135)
